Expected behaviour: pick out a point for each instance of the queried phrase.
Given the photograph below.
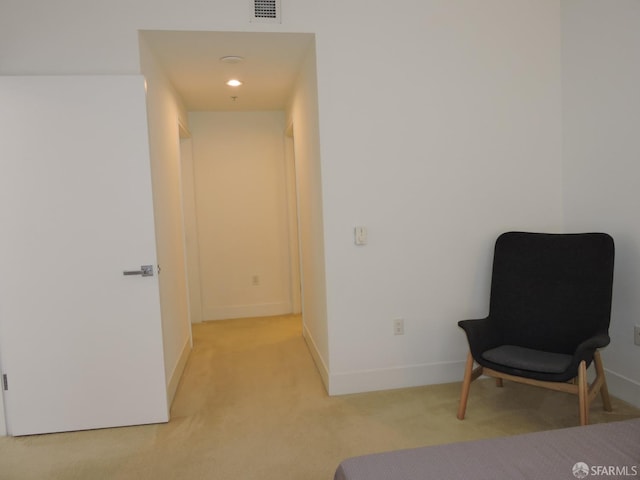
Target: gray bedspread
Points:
(605, 451)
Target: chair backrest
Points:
(551, 291)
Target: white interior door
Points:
(80, 343)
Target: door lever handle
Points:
(145, 271)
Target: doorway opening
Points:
(255, 237)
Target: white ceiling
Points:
(191, 62)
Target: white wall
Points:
(3, 423)
(241, 210)
(601, 74)
(192, 247)
(164, 113)
(439, 127)
(302, 119)
(437, 135)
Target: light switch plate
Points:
(360, 235)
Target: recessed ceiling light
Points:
(232, 59)
(234, 83)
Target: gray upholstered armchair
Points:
(549, 314)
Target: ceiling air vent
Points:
(265, 11)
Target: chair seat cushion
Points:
(529, 359)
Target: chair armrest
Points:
(586, 349)
(481, 335)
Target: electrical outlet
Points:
(398, 326)
(636, 335)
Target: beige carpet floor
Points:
(251, 405)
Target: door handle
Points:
(145, 271)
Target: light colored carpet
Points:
(251, 405)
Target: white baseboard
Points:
(246, 311)
(623, 388)
(620, 386)
(317, 358)
(396, 377)
(174, 380)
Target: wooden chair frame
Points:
(578, 386)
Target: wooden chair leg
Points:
(583, 394)
(604, 391)
(499, 382)
(466, 385)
